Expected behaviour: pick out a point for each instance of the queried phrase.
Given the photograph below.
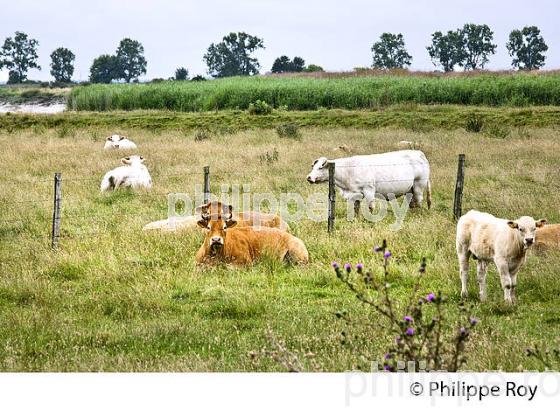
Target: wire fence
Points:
(77, 221)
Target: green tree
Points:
(283, 64)
(298, 64)
(446, 50)
(18, 55)
(390, 52)
(104, 69)
(62, 64)
(527, 47)
(233, 55)
(130, 59)
(181, 74)
(313, 68)
(476, 45)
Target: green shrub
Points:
(290, 130)
(259, 108)
(474, 123)
(495, 130)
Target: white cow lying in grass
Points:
(118, 142)
(133, 174)
(502, 241)
(365, 176)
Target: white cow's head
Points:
(525, 229)
(115, 138)
(319, 171)
(133, 160)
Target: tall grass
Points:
(305, 93)
(113, 298)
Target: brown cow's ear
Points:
(513, 224)
(203, 223)
(540, 223)
(230, 223)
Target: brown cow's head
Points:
(216, 218)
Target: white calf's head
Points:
(319, 171)
(525, 228)
(133, 160)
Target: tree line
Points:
(468, 47)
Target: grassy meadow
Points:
(113, 298)
(312, 93)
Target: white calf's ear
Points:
(541, 223)
(125, 160)
(513, 224)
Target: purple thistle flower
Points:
(387, 368)
(334, 265)
(410, 331)
(463, 331)
(398, 340)
(473, 320)
(431, 297)
(359, 267)
(407, 319)
(348, 267)
(377, 249)
(387, 255)
(387, 356)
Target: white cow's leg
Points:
(505, 279)
(369, 196)
(481, 269)
(463, 254)
(417, 194)
(513, 287)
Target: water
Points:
(33, 108)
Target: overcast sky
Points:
(334, 34)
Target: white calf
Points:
(502, 241)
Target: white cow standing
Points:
(365, 176)
(502, 241)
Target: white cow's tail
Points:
(429, 194)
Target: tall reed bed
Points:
(305, 93)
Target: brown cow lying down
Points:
(227, 243)
(548, 237)
(249, 218)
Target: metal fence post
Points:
(330, 226)
(457, 202)
(206, 184)
(55, 233)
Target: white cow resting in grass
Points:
(367, 176)
(502, 241)
(118, 142)
(132, 174)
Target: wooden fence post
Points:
(55, 233)
(330, 225)
(457, 202)
(206, 184)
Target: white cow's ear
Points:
(540, 223)
(513, 224)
